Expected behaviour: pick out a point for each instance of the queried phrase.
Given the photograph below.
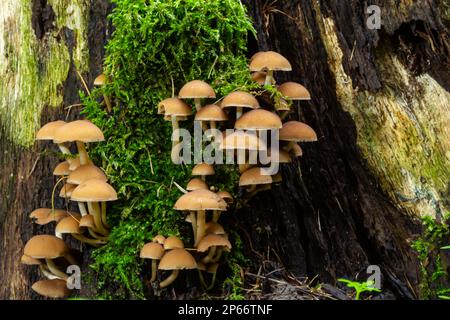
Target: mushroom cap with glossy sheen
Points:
(173, 242)
(258, 119)
(66, 190)
(159, 239)
(203, 169)
(196, 89)
(62, 169)
(225, 195)
(47, 131)
(46, 215)
(297, 131)
(86, 172)
(174, 107)
(79, 130)
(94, 190)
(213, 240)
(294, 91)
(195, 184)
(152, 250)
(297, 150)
(100, 80)
(241, 140)
(240, 99)
(177, 259)
(68, 225)
(200, 200)
(269, 60)
(29, 260)
(55, 288)
(87, 221)
(211, 112)
(45, 247)
(254, 176)
(213, 227)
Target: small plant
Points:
(360, 287)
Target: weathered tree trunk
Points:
(380, 107)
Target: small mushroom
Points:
(252, 178)
(225, 195)
(295, 131)
(297, 150)
(239, 100)
(211, 113)
(159, 239)
(43, 216)
(269, 61)
(62, 169)
(259, 77)
(155, 252)
(176, 260)
(55, 288)
(48, 132)
(211, 242)
(195, 184)
(196, 90)
(71, 225)
(294, 91)
(203, 170)
(100, 81)
(173, 242)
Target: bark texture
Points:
(380, 107)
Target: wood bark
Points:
(335, 212)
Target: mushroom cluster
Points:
(83, 183)
(250, 121)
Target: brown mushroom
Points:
(176, 260)
(196, 90)
(155, 252)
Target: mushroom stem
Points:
(239, 112)
(103, 205)
(94, 235)
(107, 102)
(213, 280)
(289, 146)
(82, 238)
(95, 211)
(194, 224)
(216, 215)
(154, 268)
(200, 226)
(218, 255)
(84, 157)
(82, 208)
(198, 104)
(202, 279)
(47, 274)
(169, 279)
(55, 270)
(269, 78)
(211, 253)
(212, 125)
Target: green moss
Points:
(154, 42)
(33, 71)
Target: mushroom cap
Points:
(245, 166)
(174, 107)
(203, 169)
(212, 240)
(225, 195)
(200, 200)
(100, 80)
(196, 89)
(87, 221)
(62, 169)
(269, 60)
(173, 242)
(45, 247)
(55, 288)
(94, 190)
(29, 260)
(68, 225)
(259, 77)
(86, 172)
(46, 215)
(66, 190)
(297, 131)
(78, 130)
(240, 99)
(254, 176)
(258, 119)
(211, 112)
(47, 131)
(195, 184)
(297, 150)
(213, 227)
(152, 250)
(159, 239)
(177, 259)
(294, 91)
(241, 140)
